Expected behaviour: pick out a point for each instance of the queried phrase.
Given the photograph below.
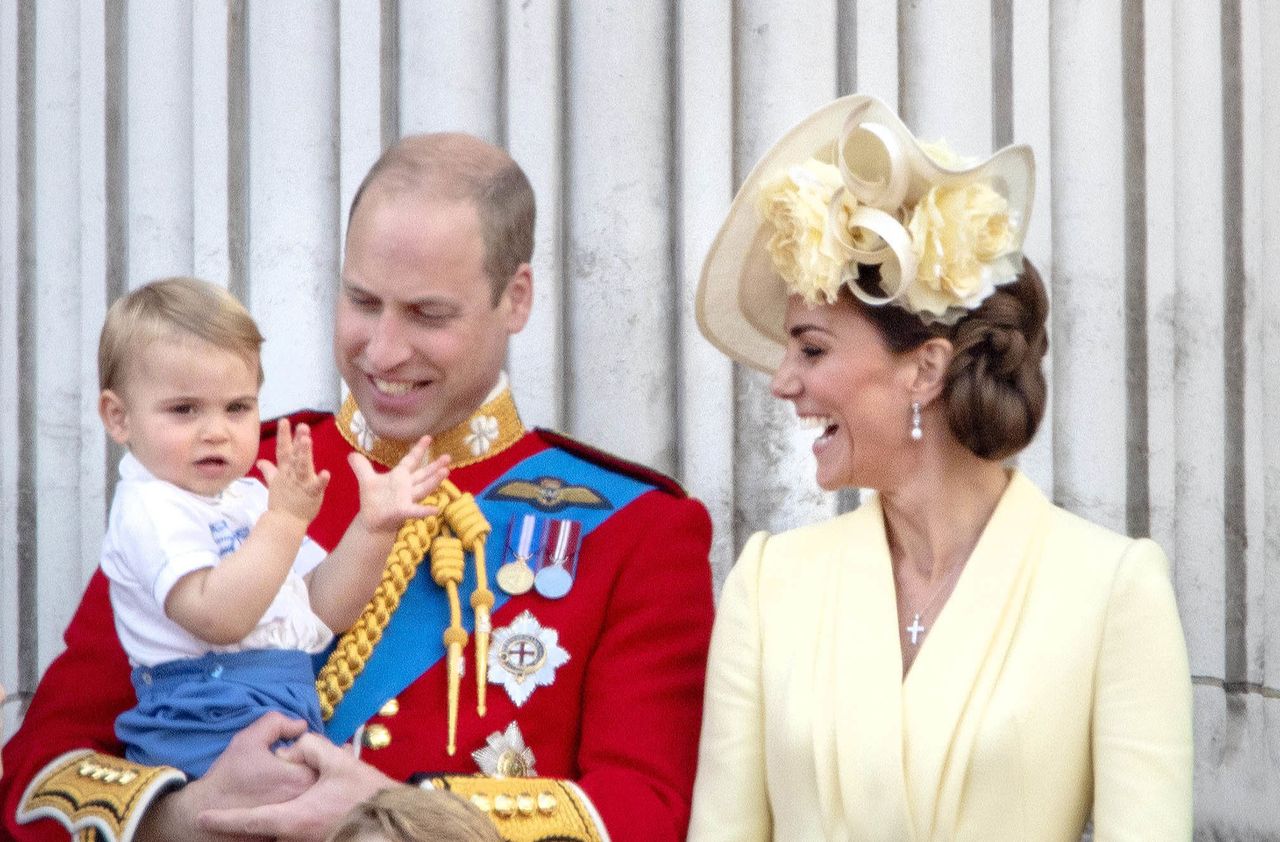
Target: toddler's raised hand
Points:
(388, 500)
(293, 486)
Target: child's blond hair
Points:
(173, 308)
(408, 814)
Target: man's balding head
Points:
(455, 167)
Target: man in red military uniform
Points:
(584, 712)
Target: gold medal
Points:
(515, 577)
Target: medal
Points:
(505, 755)
(559, 560)
(525, 656)
(516, 576)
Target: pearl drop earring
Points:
(916, 432)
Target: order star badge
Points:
(524, 656)
(506, 755)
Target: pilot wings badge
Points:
(550, 494)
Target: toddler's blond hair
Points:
(408, 814)
(173, 308)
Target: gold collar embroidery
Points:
(491, 429)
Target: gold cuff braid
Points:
(95, 796)
(530, 809)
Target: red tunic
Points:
(621, 718)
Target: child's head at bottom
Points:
(410, 814)
(179, 369)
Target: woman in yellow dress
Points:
(957, 659)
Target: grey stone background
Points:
(224, 138)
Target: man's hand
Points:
(293, 486)
(388, 500)
(248, 774)
(342, 782)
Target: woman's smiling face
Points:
(846, 383)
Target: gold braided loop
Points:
(469, 524)
(355, 646)
(448, 563)
(419, 538)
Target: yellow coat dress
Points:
(1053, 686)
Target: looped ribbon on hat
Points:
(874, 168)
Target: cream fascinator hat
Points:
(851, 185)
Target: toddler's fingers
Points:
(361, 467)
(419, 511)
(267, 469)
(417, 453)
(284, 441)
(424, 486)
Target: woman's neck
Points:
(934, 517)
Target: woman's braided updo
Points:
(995, 390)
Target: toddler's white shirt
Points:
(157, 533)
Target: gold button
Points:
(524, 803)
(481, 802)
(391, 708)
(376, 736)
(504, 805)
(546, 803)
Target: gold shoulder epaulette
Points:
(95, 796)
(530, 809)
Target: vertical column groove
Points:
(1137, 463)
(1234, 510)
(27, 514)
(566, 214)
(237, 149)
(676, 244)
(1001, 73)
(115, 189)
(389, 59)
(500, 57)
(846, 47)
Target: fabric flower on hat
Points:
(964, 239)
(807, 253)
(960, 232)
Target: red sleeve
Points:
(75, 706)
(642, 698)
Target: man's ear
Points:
(932, 358)
(517, 298)
(114, 415)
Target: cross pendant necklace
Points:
(915, 630)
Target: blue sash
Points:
(411, 644)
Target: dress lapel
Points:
(951, 681)
(865, 671)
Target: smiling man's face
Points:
(418, 337)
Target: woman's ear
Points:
(932, 359)
(114, 415)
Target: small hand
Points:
(342, 781)
(388, 500)
(293, 486)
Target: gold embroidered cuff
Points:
(530, 809)
(86, 792)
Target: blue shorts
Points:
(188, 710)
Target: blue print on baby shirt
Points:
(227, 539)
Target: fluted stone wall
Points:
(225, 138)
